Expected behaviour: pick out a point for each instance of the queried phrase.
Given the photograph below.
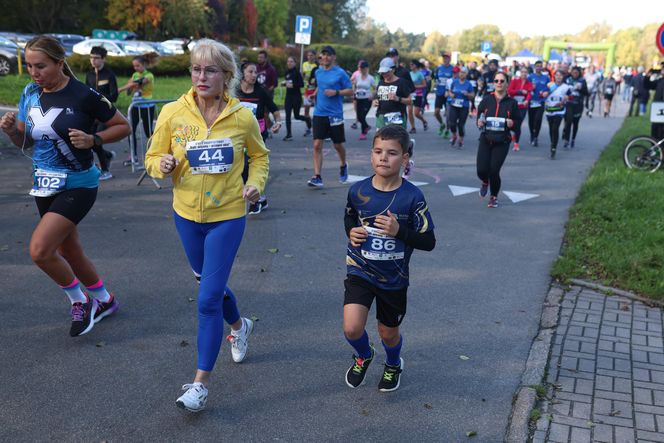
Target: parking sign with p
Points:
(303, 26)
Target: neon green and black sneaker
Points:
(355, 374)
(391, 377)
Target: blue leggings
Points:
(211, 249)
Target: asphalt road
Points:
(478, 294)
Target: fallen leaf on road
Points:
(624, 306)
(288, 255)
(614, 413)
(273, 250)
(254, 318)
(190, 299)
(464, 357)
(364, 412)
(428, 406)
(100, 344)
(184, 343)
(471, 434)
(262, 269)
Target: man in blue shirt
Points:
(540, 82)
(442, 74)
(332, 84)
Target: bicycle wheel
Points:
(643, 154)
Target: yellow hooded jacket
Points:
(205, 198)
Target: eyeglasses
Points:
(210, 71)
(499, 80)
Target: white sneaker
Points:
(105, 175)
(239, 341)
(194, 399)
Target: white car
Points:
(114, 47)
(174, 45)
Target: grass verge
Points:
(11, 87)
(615, 232)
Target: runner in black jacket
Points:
(497, 114)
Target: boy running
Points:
(386, 219)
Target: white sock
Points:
(75, 293)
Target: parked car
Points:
(8, 56)
(176, 45)
(20, 39)
(68, 41)
(114, 47)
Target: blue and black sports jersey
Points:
(540, 85)
(442, 74)
(383, 260)
(48, 116)
(458, 89)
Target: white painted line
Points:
(354, 178)
(517, 197)
(462, 190)
(419, 183)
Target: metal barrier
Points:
(141, 132)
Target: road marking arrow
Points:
(461, 190)
(517, 197)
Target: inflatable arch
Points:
(610, 49)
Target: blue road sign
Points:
(303, 26)
(486, 47)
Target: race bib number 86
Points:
(210, 156)
(380, 246)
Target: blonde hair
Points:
(52, 49)
(219, 54)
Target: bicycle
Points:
(644, 153)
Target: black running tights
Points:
(490, 158)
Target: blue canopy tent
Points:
(523, 56)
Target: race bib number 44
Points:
(210, 156)
(48, 183)
(380, 246)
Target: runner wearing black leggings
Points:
(555, 108)
(293, 102)
(497, 115)
(574, 106)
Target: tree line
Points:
(251, 22)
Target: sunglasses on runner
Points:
(499, 81)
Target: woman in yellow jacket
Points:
(199, 142)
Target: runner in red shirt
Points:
(520, 89)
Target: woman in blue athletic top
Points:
(56, 118)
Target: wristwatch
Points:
(97, 140)
(337, 92)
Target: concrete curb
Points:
(620, 292)
(533, 374)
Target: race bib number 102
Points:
(48, 183)
(210, 156)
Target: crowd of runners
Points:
(211, 142)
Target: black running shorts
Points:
(73, 204)
(390, 305)
(323, 129)
(441, 100)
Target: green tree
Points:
(434, 43)
(272, 19)
(183, 18)
(627, 46)
(595, 33)
(141, 16)
(471, 39)
(513, 44)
